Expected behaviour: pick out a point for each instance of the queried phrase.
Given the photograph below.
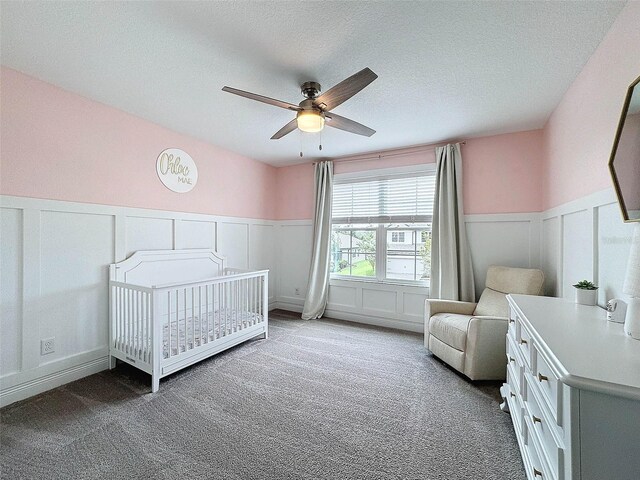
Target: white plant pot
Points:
(586, 297)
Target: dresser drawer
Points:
(535, 466)
(543, 427)
(548, 384)
(511, 331)
(524, 342)
(514, 399)
(514, 366)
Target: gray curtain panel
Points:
(318, 288)
(451, 269)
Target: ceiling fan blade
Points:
(262, 98)
(344, 90)
(288, 128)
(342, 123)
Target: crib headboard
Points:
(157, 267)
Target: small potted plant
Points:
(586, 293)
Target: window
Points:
(397, 237)
(382, 225)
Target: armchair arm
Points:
(433, 306)
(485, 356)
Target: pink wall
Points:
(294, 192)
(501, 174)
(59, 145)
(579, 134)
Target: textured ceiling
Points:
(447, 70)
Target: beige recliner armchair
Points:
(472, 337)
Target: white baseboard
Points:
(53, 380)
(375, 320)
(359, 318)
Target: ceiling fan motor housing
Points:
(310, 89)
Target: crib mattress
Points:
(180, 335)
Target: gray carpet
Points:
(318, 400)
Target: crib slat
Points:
(206, 308)
(217, 310)
(254, 296)
(177, 322)
(150, 321)
(117, 313)
(254, 281)
(169, 322)
(134, 324)
(139, 351)
(129, 315)
(227, 301)
(184, 311)
(143, 327)
(122, 331)
(236, 307)
(200, 314)
(193, 320)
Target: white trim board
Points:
(41, 384)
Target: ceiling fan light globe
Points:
(310, 121)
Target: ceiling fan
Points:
(315, 109)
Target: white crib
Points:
(169, 309)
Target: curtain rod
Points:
(380, 156)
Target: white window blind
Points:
(406, 199)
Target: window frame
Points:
(381, 229)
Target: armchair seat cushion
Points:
(450, 328)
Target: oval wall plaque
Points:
(177, 170)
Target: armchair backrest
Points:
(503, 280)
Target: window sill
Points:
(391, 282)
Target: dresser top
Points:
(586, 350)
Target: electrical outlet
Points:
(297, 291)
(47, 345)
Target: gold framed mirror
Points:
(624, 164)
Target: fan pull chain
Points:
(300, 137)
(320, 146)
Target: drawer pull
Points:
(536, 419)
(511, 359)
(511, 320)
(542, 378)
(512, 394)
(536, 472)
(523, 342)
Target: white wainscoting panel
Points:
(586, 238)
(233, 243)
(76, 249)
(379, 300)
(195, 234)
(577, 250)
(614, 244)
(148, 233)
(510, 240)
(413, 305)
(11, 282)
(343, 296)
(293, 258)
(54, 274)
(262, 253)
(551, 256)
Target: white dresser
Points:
(573, 390)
